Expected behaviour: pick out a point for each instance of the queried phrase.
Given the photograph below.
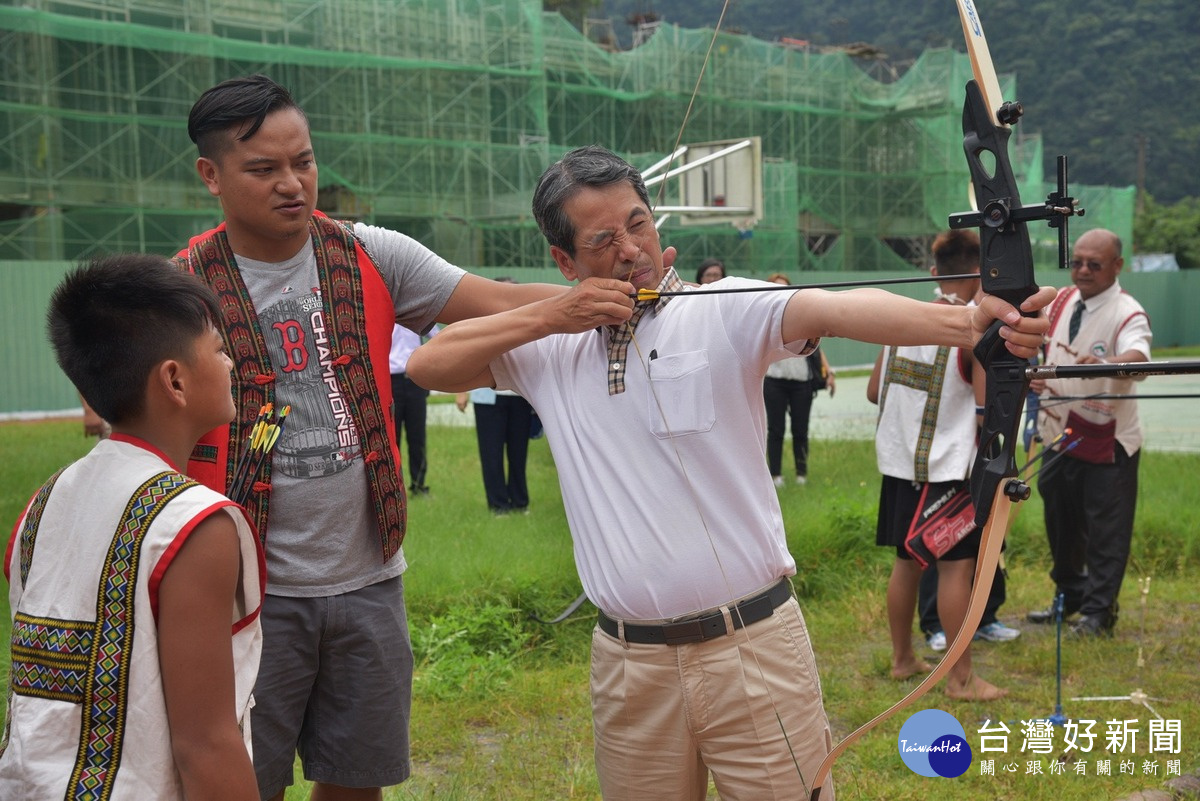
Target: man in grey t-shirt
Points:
(335, 681)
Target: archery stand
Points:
(1058, 718)
(1137, 696)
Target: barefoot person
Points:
(924, 446)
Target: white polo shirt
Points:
(666, 488)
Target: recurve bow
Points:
(1006, 270)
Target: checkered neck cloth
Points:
(622, 335)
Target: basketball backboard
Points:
(711, 183)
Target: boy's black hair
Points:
(113, 319)
(956, 252)
(244, 101)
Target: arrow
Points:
(654, 294)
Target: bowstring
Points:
(687, 113)
(645, 364)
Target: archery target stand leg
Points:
(1137, 696)
(1058, 718)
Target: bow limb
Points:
(992, 541)
(1007, 271)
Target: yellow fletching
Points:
(647, 294)
(260, 431)
(272, 439)
(261, 444)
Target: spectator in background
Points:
(925, 445)
(1089, 495)
(93, 424)
(710, 270)
(503, 425)
(990, 627)
(409, 406)
(503, 421)
(789, 387)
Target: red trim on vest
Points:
(356, 302)
(1056, 308)
(1126, 322)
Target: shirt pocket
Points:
(681, 397)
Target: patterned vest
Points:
(360, 315)
(1096, 424)
(926, 416)
(87, 713)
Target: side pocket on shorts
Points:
(681, 401)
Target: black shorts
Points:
(898, 502)
(335, 684)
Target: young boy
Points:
(135, 592)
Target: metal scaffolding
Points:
(437, 116)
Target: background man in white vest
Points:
(1090, 494)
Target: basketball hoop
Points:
(712, 183)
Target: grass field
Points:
(501, 703)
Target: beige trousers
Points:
(665, 716)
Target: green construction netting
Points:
(438, 117)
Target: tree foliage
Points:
(574, 11)
(1170, 229)
(1097, 79)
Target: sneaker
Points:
(997, 632)
(937, 640)
(801, 480)
(778, 480)
(1094, 625)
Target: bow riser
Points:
(1006, 258)
(996, 464)
(1006, 271)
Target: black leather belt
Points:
(706, 627)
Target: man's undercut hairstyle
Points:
(241, 103)
(586, 167)
(956, 252)
(114, 319)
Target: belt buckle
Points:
(683, 632)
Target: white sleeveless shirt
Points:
(86, 704)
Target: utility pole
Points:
(1140, 203)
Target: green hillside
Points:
(1100, 81)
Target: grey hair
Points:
(590, 166)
